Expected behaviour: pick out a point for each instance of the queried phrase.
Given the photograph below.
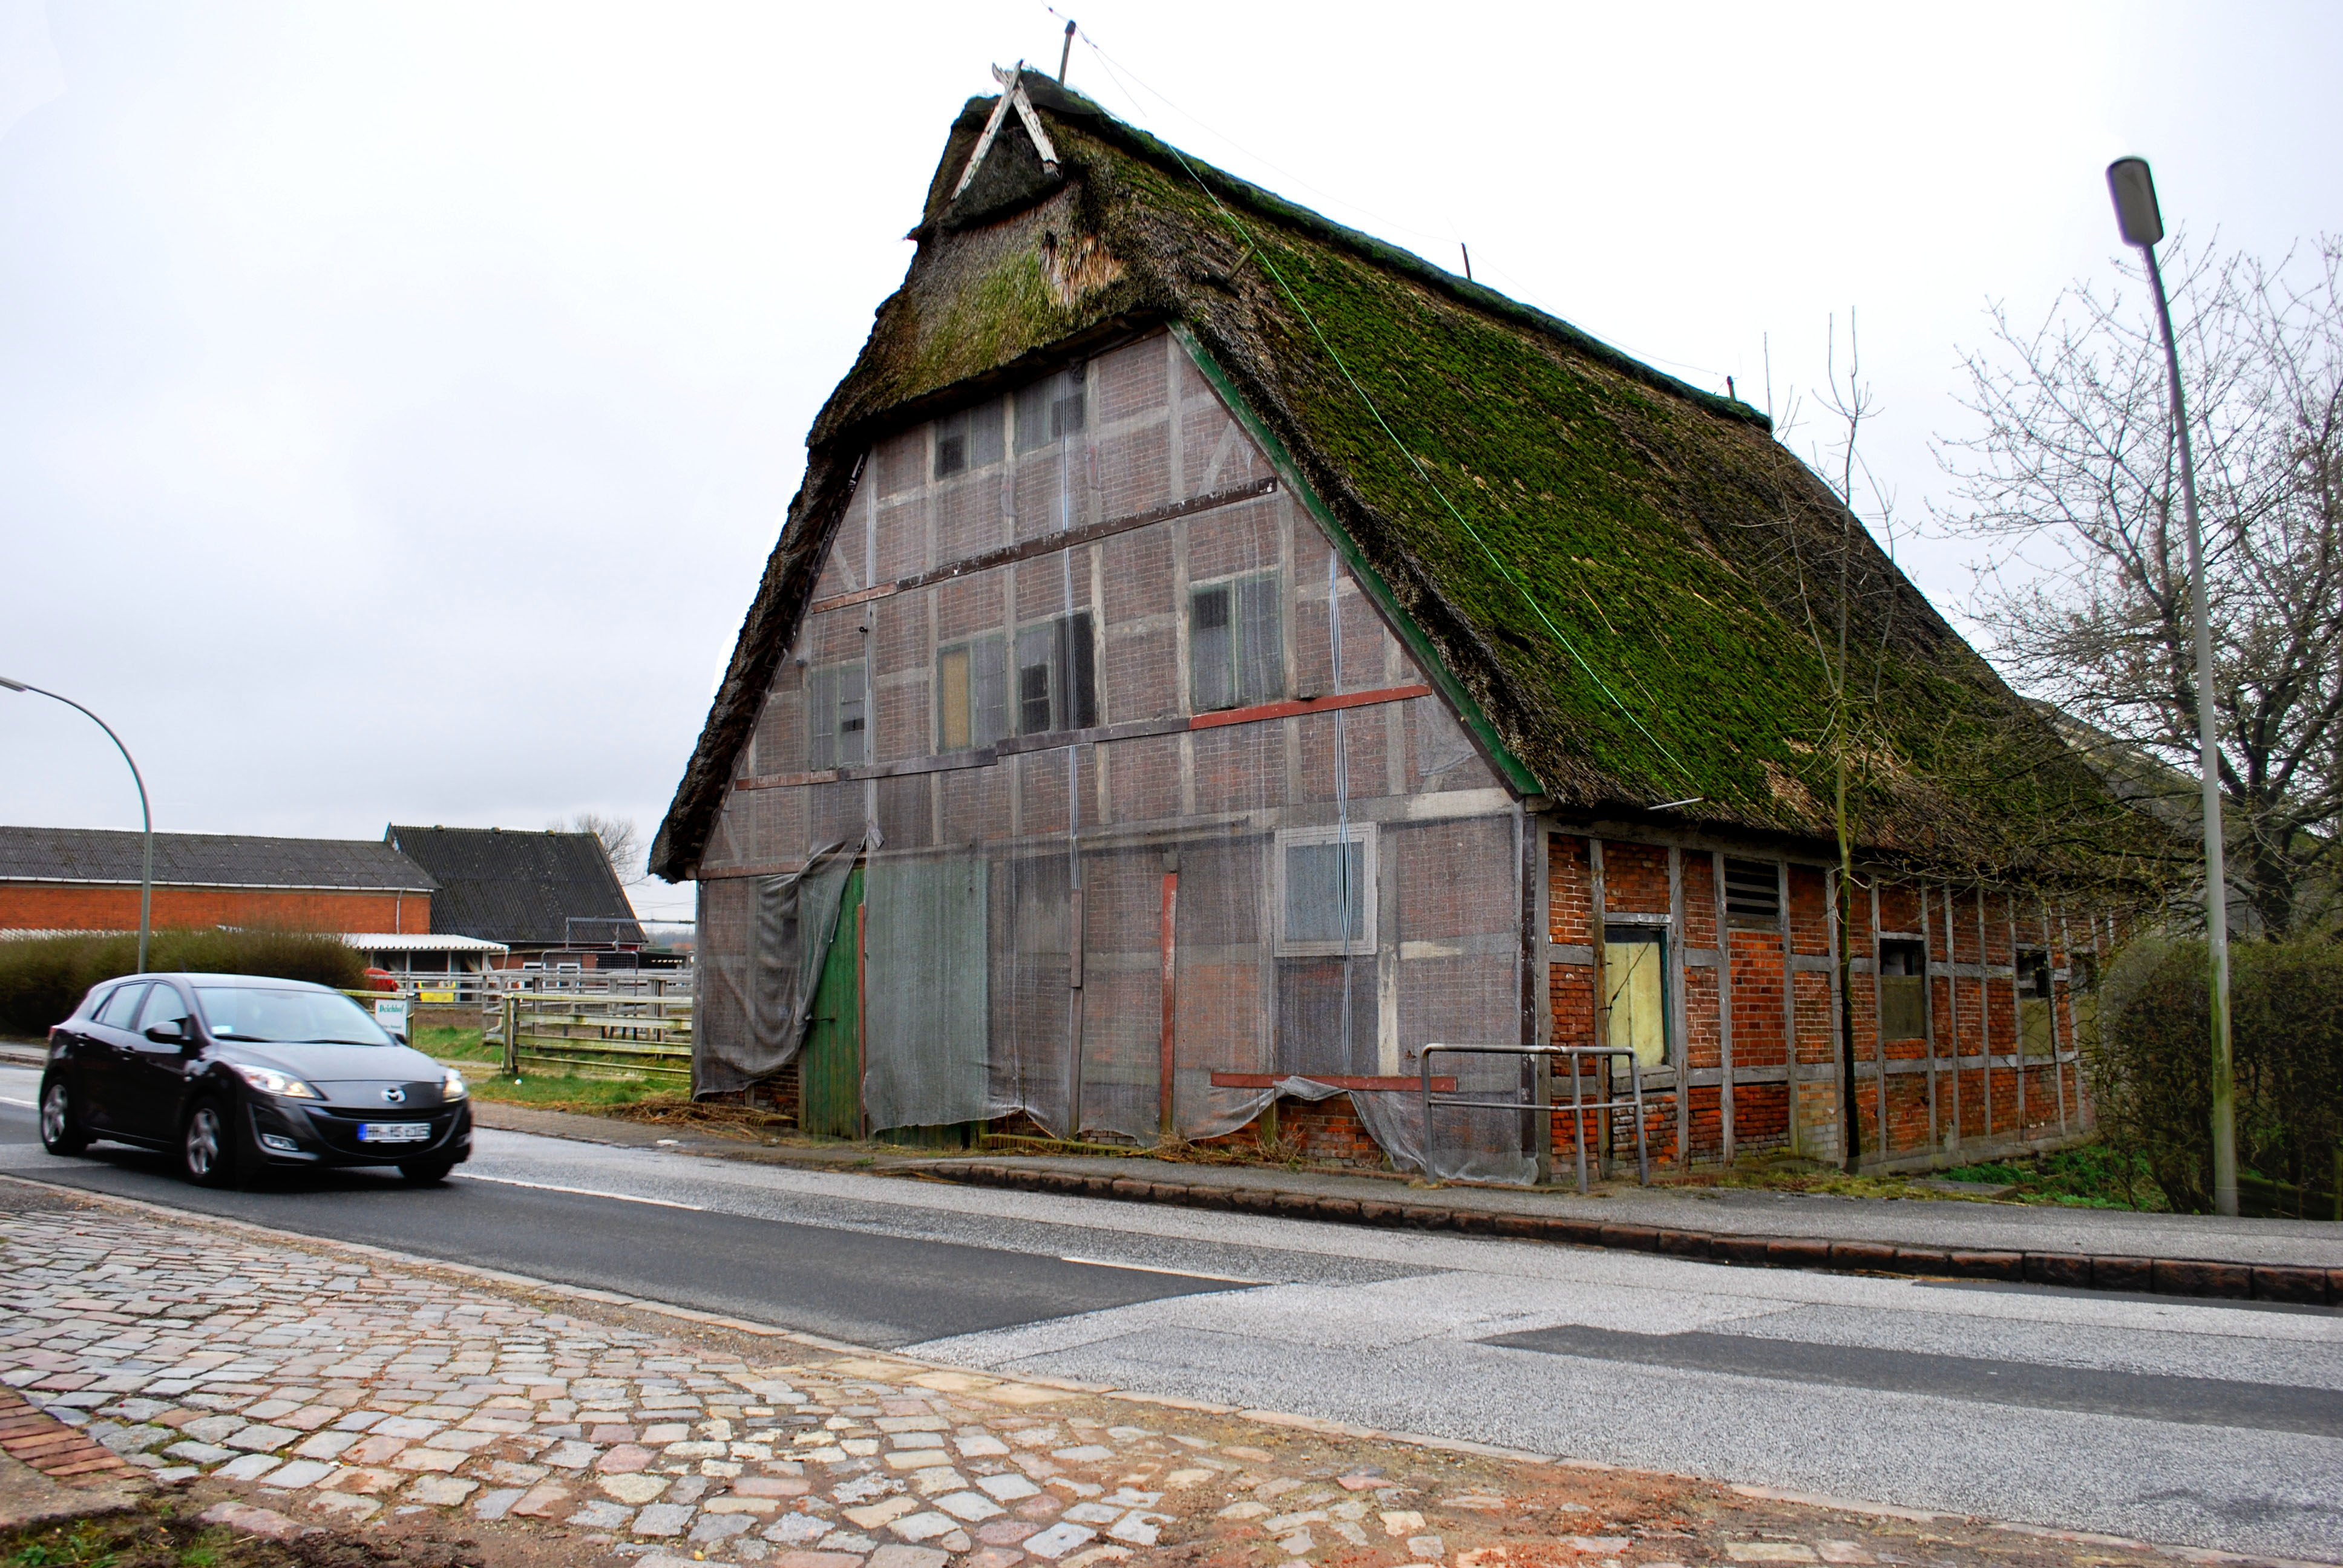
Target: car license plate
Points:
(394, 1133)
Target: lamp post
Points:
(147, 817)
(2142, 222)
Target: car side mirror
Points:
(174, 1032)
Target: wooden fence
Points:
(645, 1034)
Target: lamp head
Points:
(2133, 189)
(12, 685)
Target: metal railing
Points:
(1580, 1106)
(645, 1034)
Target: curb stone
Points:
(2197, 1277)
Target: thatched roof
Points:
(1630, 587)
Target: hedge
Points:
(43, 979)
(2152, 1071)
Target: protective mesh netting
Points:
(1324, 891)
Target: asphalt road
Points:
(2209, 1424)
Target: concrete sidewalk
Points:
(2289, 1261)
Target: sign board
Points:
(392, 1015)
(432, 996)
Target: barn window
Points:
(1325, 892)
(972, 694)
(1903, 990)
(1051, 409)
(1056, 676)
(836, 711)
(1753, 892)
(968, 439)
(2033, 996)
(1635, 1012)
(1236, 645)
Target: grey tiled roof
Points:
(519, 888)
(206, 859)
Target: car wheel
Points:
(427, 1172)
(207, 1145)
(61, 1129)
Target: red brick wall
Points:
(53, 906)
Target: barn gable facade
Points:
(1196, 675)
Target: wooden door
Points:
(831, 1080)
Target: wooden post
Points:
(861, 1017)
(1789, 1006)
(2051, 950)
(1679, 1037)
(1878, 1034)
(1985, 1005)
(512, 1035)
(1601, 903)
(1724, 1005)
(1170, 910)
(2016, 1007)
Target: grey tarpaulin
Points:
(792, 919)
(925, 1061)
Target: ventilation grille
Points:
(1753, 890)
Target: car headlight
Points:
(268, 1081)
(453, 1087)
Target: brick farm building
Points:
(88, 880)
(1214, 655)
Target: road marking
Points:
(11, 1100)
(581, 1191)
(1143, 1268)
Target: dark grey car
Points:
(236, 1072)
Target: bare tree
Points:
(621, 842)
(2073, 480)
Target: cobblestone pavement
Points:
(340, 1387)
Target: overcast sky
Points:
(397, 402)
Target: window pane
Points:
(1034, 652)
(984, 434)
(953, 727)
(989, 694)
(821, 718)
(116, 1012)
(1325, 892)
(1076, 675)
(852, 738)
(1903, 1006)
(1261, 652)
(1211, 649)
(952, 454)
(163, 1006)
(1034, 414)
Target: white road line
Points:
(581, 1191)
(11, 1100)
(1143, 1268)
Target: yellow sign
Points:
(432, 996)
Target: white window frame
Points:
(1366, 944)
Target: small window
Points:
(1636, 1013)
(972, 694)
(1325, 892)
(1903, 991)
(837, 727)
(968, 439)
(1051, 410)
(1753, 892)
(2033, 999)
(1236, 643)
(117, 1012)
(1056, 676)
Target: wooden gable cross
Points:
(1012, 96)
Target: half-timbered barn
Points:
(1214, 656)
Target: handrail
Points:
(1581, 1107)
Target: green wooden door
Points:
(831, 1081)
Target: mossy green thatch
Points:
(1631, 586)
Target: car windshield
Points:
(281, 1016)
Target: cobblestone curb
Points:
(2199, 1277)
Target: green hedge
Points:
(2152, 1069)
(42, 979)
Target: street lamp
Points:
(146, 877)
(2137, 215)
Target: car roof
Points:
(206, 978)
